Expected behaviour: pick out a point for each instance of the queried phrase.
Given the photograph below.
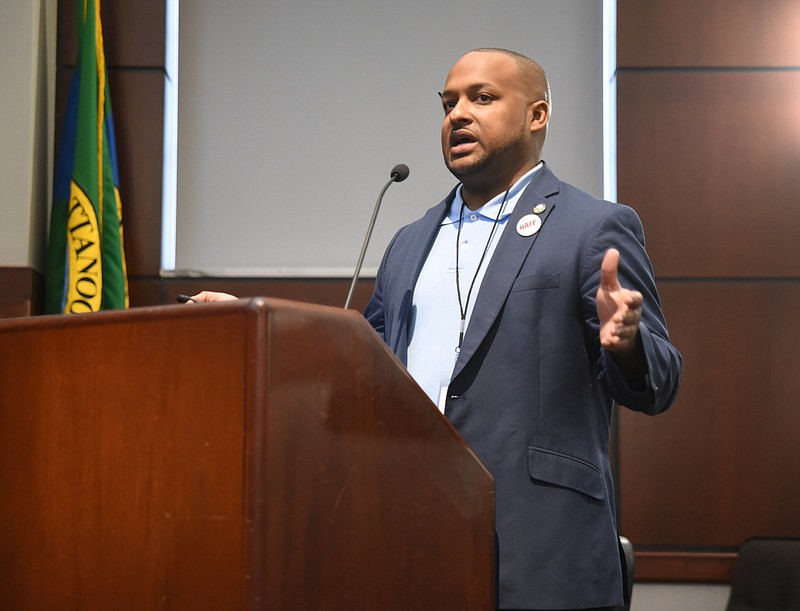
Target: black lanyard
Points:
(463, 307)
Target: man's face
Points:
(486, 128)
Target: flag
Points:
(85, 259)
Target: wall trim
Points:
(21, 291)
(689, 567)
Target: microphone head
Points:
(399, 172)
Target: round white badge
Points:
(528, 225)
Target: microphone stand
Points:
(399, 173)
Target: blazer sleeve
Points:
(375, 312)
(622, 229)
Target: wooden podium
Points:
(257, 454)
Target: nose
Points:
(460, 112)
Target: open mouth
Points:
(461, 142)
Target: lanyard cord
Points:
(462, 307)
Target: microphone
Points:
(398, 174)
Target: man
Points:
(507, 303)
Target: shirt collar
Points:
(491, 208)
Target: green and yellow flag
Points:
(85, 259)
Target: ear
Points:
(539, 114)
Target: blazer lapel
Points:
(506, 262)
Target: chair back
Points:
(766, 575)
(626, 558)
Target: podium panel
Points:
(257, 454)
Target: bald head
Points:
(533, 77)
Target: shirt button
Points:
(473, 217)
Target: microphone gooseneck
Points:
(398, 174)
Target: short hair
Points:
(530, 70)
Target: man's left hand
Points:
(619, 309)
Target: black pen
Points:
(185, 298)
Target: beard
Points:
(494, 159)
(490, 166)
(466, 170)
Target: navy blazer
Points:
(532, 391)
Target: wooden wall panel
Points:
(138, 98)
(134, 32)
(710, 161)
(21, 292)
(708, 153)
(723, 464)
(708, 33)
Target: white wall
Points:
(292, 113)
(27, 72)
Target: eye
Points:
(483, 98)
(448, 105)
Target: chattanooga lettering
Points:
(85, 281)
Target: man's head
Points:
(497, 105)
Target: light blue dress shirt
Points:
(435, 316)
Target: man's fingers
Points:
(635, 299)
(209, 296)
(608, 269)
